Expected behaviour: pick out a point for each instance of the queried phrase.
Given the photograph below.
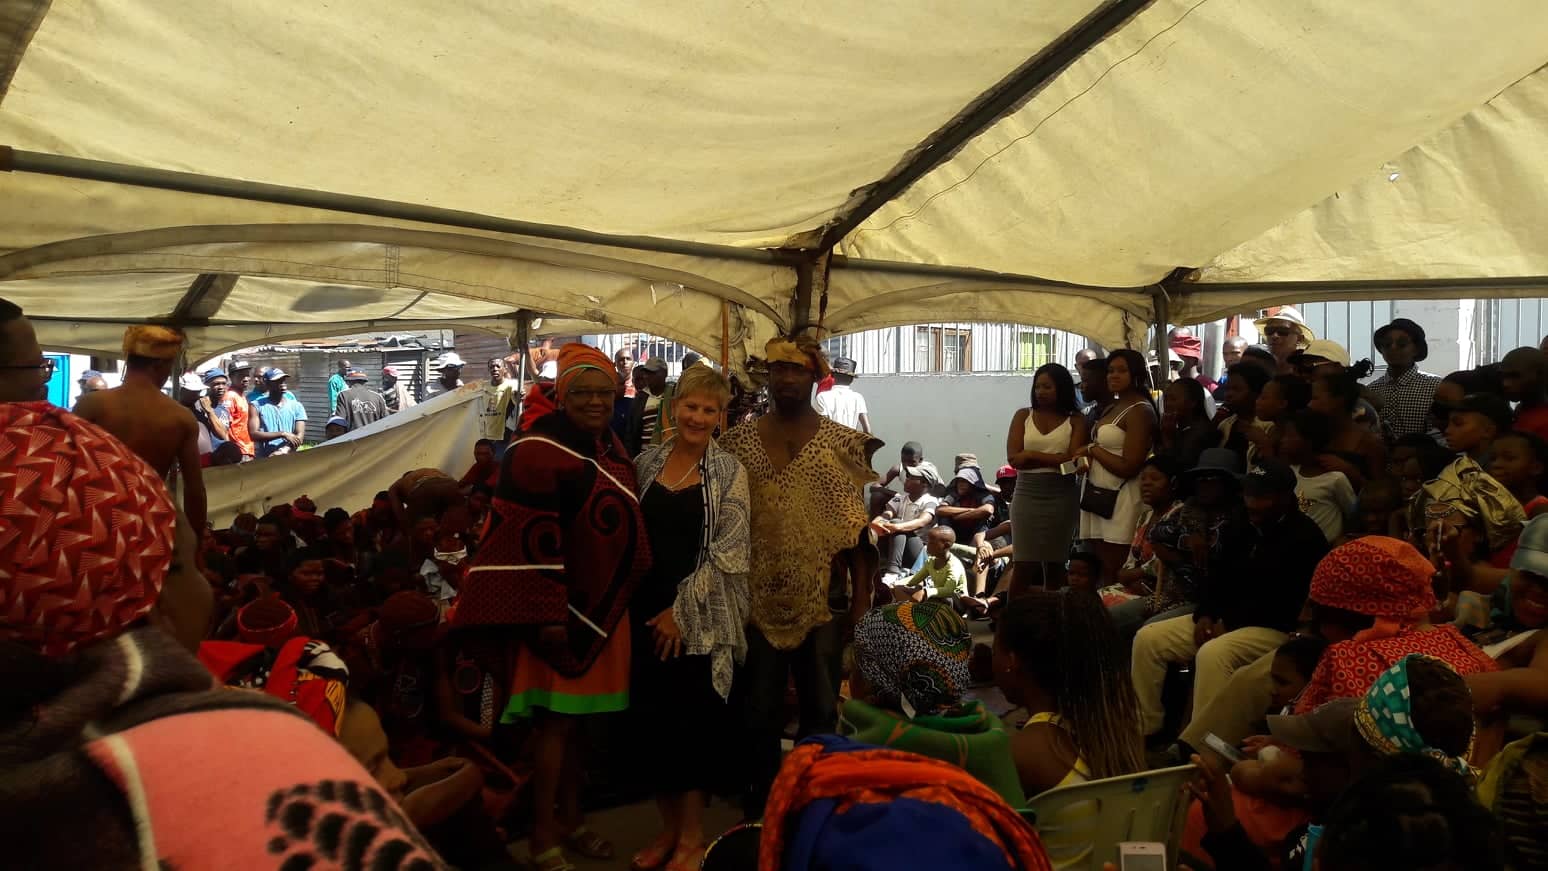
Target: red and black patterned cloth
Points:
(565, 544)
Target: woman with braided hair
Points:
(1058, 655)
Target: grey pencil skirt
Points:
(1044, 516)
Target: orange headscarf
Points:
(576, 358)
(153, 341)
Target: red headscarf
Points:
(86, 530)
(1377, 576)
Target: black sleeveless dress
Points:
(681, 726)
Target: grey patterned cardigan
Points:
(712, 603)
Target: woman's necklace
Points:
(692, 467)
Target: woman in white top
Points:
(1121, 441)
(1046, 507)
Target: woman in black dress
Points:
(693, 608)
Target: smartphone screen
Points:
(1217, 744)
(1137, 862)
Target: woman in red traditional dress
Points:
(563, 552)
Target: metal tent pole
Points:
(523, 332)
(1163, 307)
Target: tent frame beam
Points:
(934, 270)
(1298, 289)
(992, 105)
(206, 293)
(18, 160)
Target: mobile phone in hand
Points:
(1226, 751)
(1142, 856)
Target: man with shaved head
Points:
(1523, 376)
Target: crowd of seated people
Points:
(1326, 530)
(1356, 608)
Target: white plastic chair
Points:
(1083, 824)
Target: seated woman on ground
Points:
(909, 681)
(1084, 570)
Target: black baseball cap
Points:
(1269, 476)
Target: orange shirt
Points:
(237, 412)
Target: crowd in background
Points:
(1341, 583)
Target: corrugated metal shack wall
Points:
(477, 348)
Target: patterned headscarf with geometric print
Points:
(915, 653)
(86, 530)
(1379, 577)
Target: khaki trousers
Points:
(1164, 642)
(1234, 714)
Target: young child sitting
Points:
(1294, 662)
(1282, 398)
(1325, 496)
(1083, 570)
(942, 575)
(1381, 510)
(1276, 774)
(1464, 496)
(1519, 461)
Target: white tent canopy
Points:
(695, 169)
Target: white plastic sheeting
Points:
(1254, 140)
(350, 470)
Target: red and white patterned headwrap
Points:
(86, 530)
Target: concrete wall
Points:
(1448, 328)
(947, 414)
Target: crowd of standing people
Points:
(1345, 582)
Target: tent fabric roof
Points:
(1253, 141)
